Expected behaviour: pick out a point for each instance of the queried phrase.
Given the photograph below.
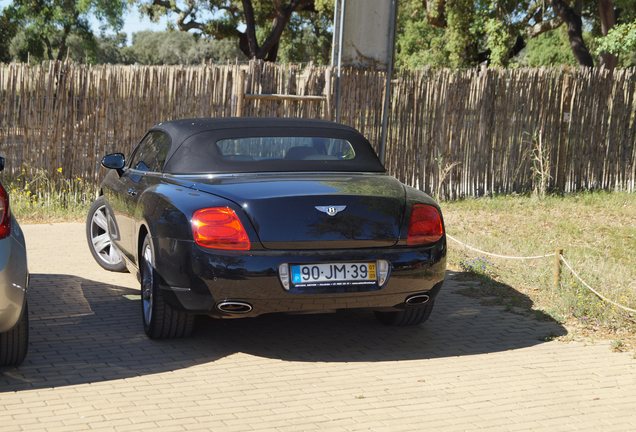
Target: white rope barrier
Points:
(563, 260)
(598, 294)
(497, 255)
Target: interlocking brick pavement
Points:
(471, 367)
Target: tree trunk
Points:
(250, 30)
(575, 32)
(49, 48)
(520, 43)
(272, 54)
(269, 50)
(435, 12)
(244, 45)
(608, 20)
(61, 53)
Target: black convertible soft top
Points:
(181, 129)
(193, 148)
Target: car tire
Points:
(14, 343)
(406, 317)
(160, 319)
(103, 250)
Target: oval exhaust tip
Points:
(417, 299)
(234, 307)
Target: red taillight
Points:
(219, 228)
(425, 225)
(5, 215)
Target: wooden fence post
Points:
(557, 268)
(240, 102)
(565, 116)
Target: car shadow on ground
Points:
(84, 331)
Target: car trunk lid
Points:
(309, 211)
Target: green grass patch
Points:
(597, 231)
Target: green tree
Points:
(548, 49)
(175, 47)
(26, 45)
(496, 31)
(419, 42)
(620, 41)
(307, 38)
(112, 49)
(45, 26)
(8, 30)
(460, 18)
(99, 50)
(257, 25)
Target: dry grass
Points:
(41, 197)
(597, 232)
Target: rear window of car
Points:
(252, 150)
(285, 148)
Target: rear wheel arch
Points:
(14, 343)
(160, 319)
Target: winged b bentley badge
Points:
(331, 210)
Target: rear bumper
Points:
(197, 280)
(13, 278)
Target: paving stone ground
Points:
(471, 367)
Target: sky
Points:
(133, 22)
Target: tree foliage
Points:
(548, 49)
(460, 33)
(621, 42)
(175, 47)
(307, 39)
(460, 16)
(256, 25)
(438, 33)
(419, 42)
(8, 30)
(45, 26)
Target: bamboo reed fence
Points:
(451, 133)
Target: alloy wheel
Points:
(100, 238)
(147, 283)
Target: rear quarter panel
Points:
(166, 210)
(13, 277)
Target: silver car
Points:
(14, 279)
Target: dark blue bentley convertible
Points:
(241, 217)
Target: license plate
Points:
(333, 274)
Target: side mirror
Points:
(115, 161)
(1, 163)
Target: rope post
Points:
(557, 268)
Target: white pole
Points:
(336, 32)
(343, 6)
(389, 75)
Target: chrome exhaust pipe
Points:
(417, 299)
(234, 307)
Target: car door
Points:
(143, 171)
